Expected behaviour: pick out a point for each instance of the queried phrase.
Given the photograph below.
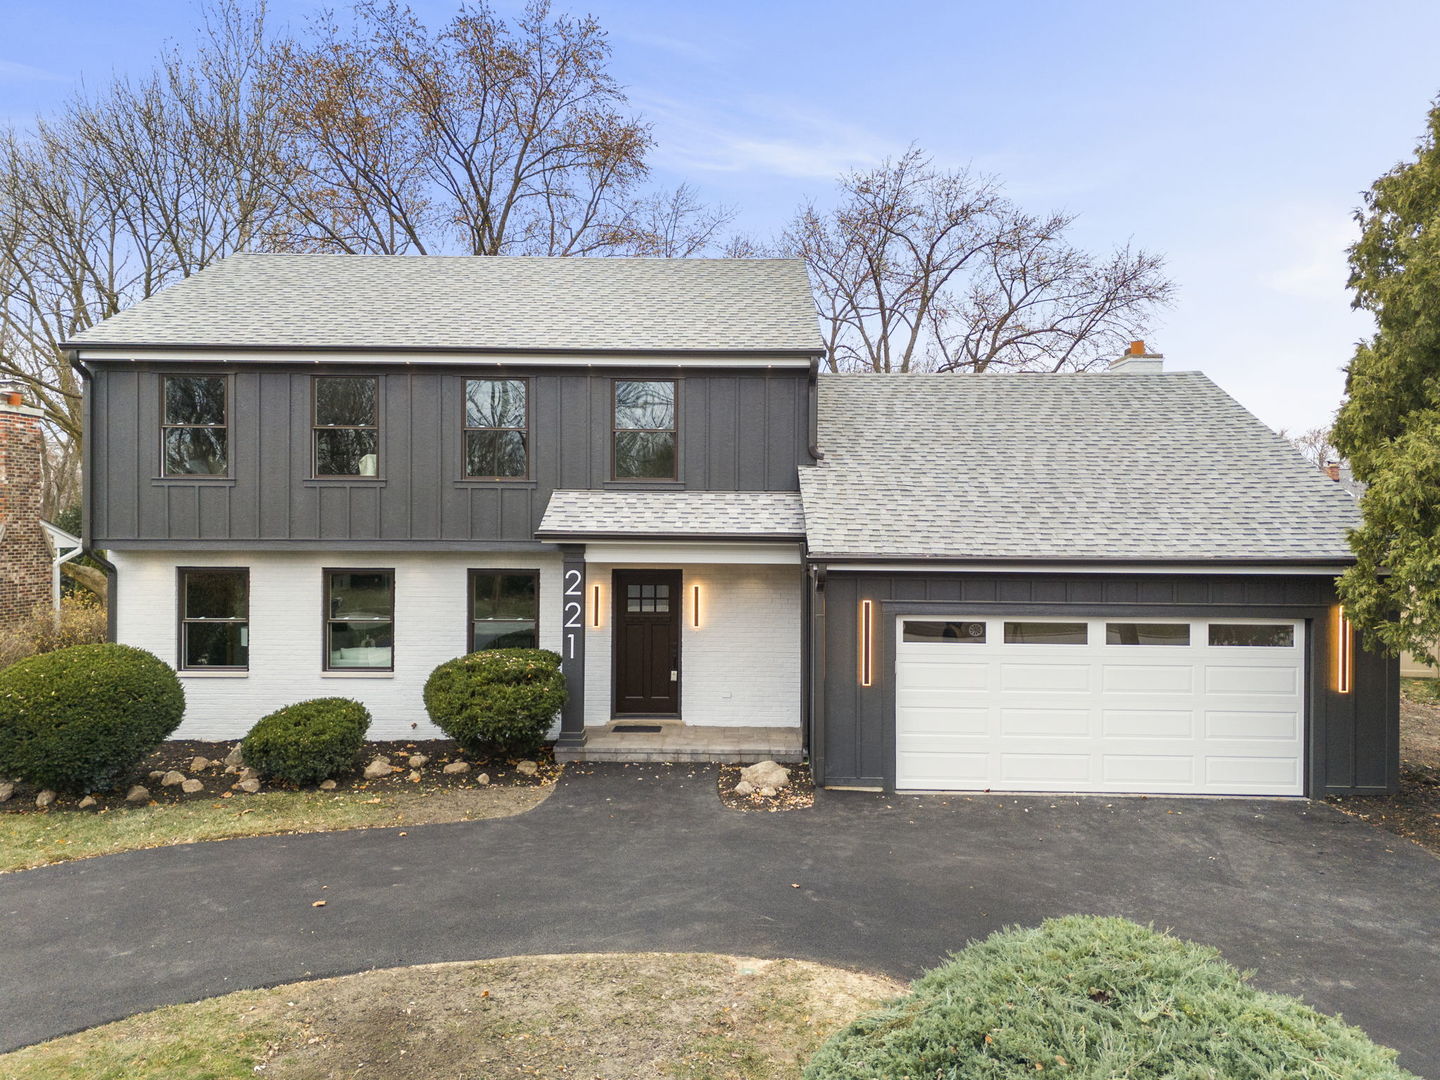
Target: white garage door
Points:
(1052, 704)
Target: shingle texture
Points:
(1103, 466)
(757, 514)
(482, 303)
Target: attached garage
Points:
(1199, 707)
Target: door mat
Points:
(636, 729)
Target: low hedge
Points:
(81, 719)
(1092, 999)
(499, 701)
(309, 741)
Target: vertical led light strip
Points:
(695, 608)
(595, 615)
(1344, 651)
(866, 657)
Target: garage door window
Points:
(1253, 636)
(1046, 633)
(945, 632)
(1140, 633)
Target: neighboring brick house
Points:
(24, 554)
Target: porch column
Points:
(572, 645)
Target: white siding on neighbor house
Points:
(287, 632)
(740, 667)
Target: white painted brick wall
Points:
(741, 667)
(286, 631)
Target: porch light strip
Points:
(595, 611)
(866, 644)
(1344, 651)
(695, 608)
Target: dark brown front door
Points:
(647, 642)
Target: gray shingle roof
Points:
(746, 514)
(1074, 466)
(468, 302)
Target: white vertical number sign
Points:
(574, 609)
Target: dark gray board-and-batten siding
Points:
(1352, 743)
(739, 431)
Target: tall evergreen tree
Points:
(1389, 426)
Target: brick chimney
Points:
(1138, 360)
(1332, 470)
(24, 554)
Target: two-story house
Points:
(324, 475)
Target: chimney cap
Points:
(1138, 360)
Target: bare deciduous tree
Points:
(918, 268)
(1315, 444)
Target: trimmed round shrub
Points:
(1096, 998)
(500, 701)
(81, 719)
(309, 741)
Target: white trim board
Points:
(121, 354)
(659, 553)
(1308, 569)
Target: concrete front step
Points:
(680, 742)
(738, 755)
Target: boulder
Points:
(87, 802)
(418, 761)
(744, 787)
(768, 792)
(156, 774)
(328, 785)
(192, 786)
(250, 787)
(172, 778)
(527, 768)
(7, 791)
(200, 764)
(766, 774)
(45, 798)
(248, 773)
(378, 768)
(138, 794)
(235, 757)
(456, 767)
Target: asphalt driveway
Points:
(645, 858)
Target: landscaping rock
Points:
(527, 768)
(414, 776)
(231, 770)
(138, 794)
(192, 786)
(250, 787)
(768, 792)
(200, 764)
(45, 798)
(766, 774)
(87, 802)
(156, 774)
(418, 761)
(328, 785)
(249, 774)
(456, 767)
(172, 778)
(483, 779)
(378, 768)
(744, 787)
(7, 791)
(235, 757)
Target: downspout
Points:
(816, 454)
(112, 575)
(816, 622)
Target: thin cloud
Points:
(12, 71)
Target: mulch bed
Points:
(177, 755)
(1413, 812)
(798, 794)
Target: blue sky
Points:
(1235, 138)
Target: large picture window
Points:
(645, 430)
(359, 620)
(195, 426)
(504, 609)
(214, 619)
(347, 425)
(496, 429)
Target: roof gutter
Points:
(123, 347)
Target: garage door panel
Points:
(1052, 723)
(1104, 716)
(1147, 679)
(1148, 723)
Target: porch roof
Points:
(747, 515)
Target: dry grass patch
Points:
(33, 839)
(615, 1017)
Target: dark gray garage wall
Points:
(1353, 744)
(739, 430)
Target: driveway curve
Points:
(626, 858)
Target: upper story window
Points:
(195, 425)
(347, 425)
(496, 429)
(645, 430)
(214, 619)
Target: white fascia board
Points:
(437, 359)
(656, 553)
(1334, 570)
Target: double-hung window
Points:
(214, 619)
(195, 425)
(504, 609)
(645, 430)
(347, 426)
(359, 620)
(496, 429)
